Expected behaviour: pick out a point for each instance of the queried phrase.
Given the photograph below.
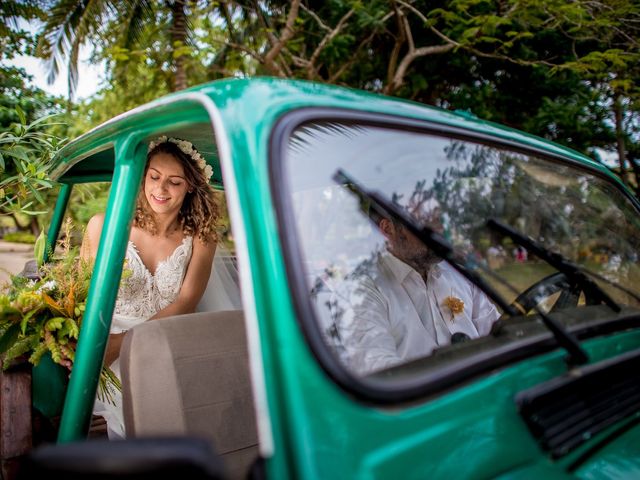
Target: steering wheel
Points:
(550, 285)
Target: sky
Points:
(89, 76)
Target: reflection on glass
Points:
(382, 299)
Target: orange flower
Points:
(455, 305)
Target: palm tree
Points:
(74, 22)
(179, 35)
(12, 10)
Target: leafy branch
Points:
(44, 315)
(26, 151)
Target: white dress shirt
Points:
(395, 317)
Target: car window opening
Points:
(375, 308)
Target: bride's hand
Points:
(113, 348)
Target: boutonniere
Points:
(454, 304)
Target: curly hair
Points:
(199, 214)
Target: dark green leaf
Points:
(9, 338)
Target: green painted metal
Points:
(130, 162)
(48, 386)
(618, 459)
(326, 434)
(87, 179)
(151, 121)
(56, 220)
(318, 430)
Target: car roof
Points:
(257, 103)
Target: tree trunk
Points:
(622, 155)
(34, 227)
(178, 40)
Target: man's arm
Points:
(484, 312)
(366, 331)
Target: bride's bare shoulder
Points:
(94, 227)
(96, 222)
(91, 237)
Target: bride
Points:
(170, 251)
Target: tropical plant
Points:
(564, 70)
(16, 89)
(118, 26)
(44, 314)
(26, 150)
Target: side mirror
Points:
(144, 458)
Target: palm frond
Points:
(72, 78)
(69, 24)
(58, 34)
(11, 11)
(93, 18)
(139, 14)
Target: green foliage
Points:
(124, 30)
(15, 89)
(19, 237)
(89, 200)
(26, 151)
(26, 144)
(552, 68)
(16, 95)
(39, 249)
(45, 314)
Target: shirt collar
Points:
(401, 270)
(398, 268)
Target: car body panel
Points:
(311, 428)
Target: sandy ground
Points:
(13, 256)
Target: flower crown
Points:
(188, 149)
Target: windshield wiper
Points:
(557, 261)
(440, 246)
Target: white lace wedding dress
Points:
(141, 295)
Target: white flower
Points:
(188, 149)
(185, 146)
(157, 142)
(47, 286)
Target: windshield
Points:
(383, 300)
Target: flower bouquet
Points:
(44, 314)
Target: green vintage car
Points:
(291, 383)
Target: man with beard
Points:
(410, 303)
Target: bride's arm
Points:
(193, 286)
(113, 347)
(195, 280)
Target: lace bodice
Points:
(142, 294)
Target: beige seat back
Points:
(189, 374)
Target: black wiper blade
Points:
(557, 261)
(424, 233)
(435, 241)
